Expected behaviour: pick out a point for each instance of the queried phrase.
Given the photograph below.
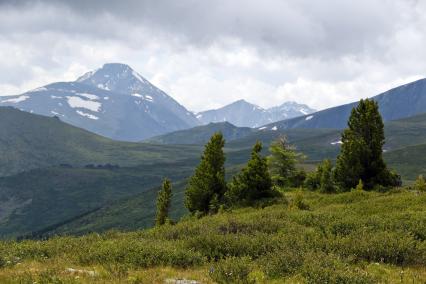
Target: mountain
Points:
(242, 113)
(400, 102)
(201, 134)
(29, 141)
(113, 101)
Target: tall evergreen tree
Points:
(163, 202)
(253, 182)
(361, 153)
(282, 162)
(207, 186)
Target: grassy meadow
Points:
(305, 237)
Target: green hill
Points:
(354, 237)
(202, 134)
(29, 141)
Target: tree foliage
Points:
(163, 202)
(361, 152)
(253, 183)
(322, 178)
(207, 186)
(282, 163)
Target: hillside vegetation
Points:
(29, 141)
(353, 237)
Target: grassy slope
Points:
(355, 237)
(29, 141)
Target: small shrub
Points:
(232, 270)
(420, 184)
(359, 186)
(298, 202)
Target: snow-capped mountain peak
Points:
(114, 101)
(116, 77)
(243, 113)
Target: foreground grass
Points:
(355, 237)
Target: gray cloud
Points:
(320, 52)
(293, 27)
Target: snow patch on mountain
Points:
(88, 115)
(77, 102)
(148, 98)
(103, 87)
(16, 100)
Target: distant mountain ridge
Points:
(244, 114)
(201, 134)
(113, 101)
(397, 103)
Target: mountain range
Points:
(117, 102)
(244, 114)
(400, 102)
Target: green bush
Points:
(138, 253)
(232, 270)
(389, 247)
(216, 247)
(323, 268)
(282, 262)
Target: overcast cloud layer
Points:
(209, 53)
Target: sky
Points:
(206, 54)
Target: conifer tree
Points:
(207, 186)
(361, 152)
(282, 162)
(253, 182)
(163, 202)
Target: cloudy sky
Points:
(209, 53)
